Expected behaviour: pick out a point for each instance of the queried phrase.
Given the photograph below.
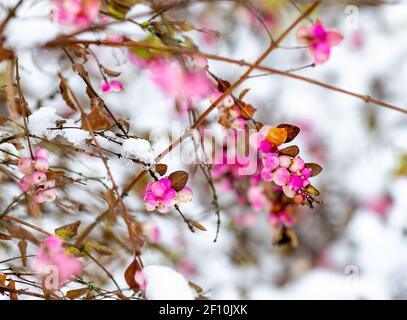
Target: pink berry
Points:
(297, 164)
(289, 192)
(265, 146)
(267, 175)
(184, 195)
(26, 183)
(281, 176)
(39, 178)
(285, 161)
(49, 195)
(38, 198)
(271, 161)
(41, 164)
(41, 152)
(26, 165)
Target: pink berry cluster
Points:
(288, 173)
(35, 181)
(162, 197)
(51, 254)
(111, 86)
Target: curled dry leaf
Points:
(130, 273)
(76, 293)
(22, 246)
(315, 168)
(68, 231)
(4, 236)
(111, 73)
(19, 232)
(161, 168)
(99, 248)
(95, 120)
(178, 180)
(291, 151)
(247, 111)
(65, 94)
(243, 93)
(197, 225)
(277, 136)
(312, 191)
(12, 286)
(292, 131)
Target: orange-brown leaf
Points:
(292, 131)
(277, 136)
(178, 180)
(130, 273)
(95, 120)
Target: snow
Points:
(7, 147)
(32, 17)
(139, 149)
(75, 136)
(163, 283)
(40, 121)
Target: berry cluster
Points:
(162, 197)
(35, 181)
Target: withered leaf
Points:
(54, 175)
(12, 285)
(243, 93)
(247, 111)
(76, 293)
(178, 180)
(99, 248)
(277, 136)
(68, 231)
(95, 120)
(161, 168)
(292, 131)
(315, 168)
(223, 85)
(19, 232)
(5, 54)
(130, 273)
(312, 190)
(111, 73)
(4, 236)
(197, 225)
(80, 70)
(291, 151)
(65, 95)
(22, 246)
(194, 286)
(3, 279)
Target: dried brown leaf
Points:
(178, 180)
(22, 246)
(161, 168)
(315, 168)
(76, 293)
(68, 231)
(292, 131)
(130, 273)
(291, 151)
(65, 95)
